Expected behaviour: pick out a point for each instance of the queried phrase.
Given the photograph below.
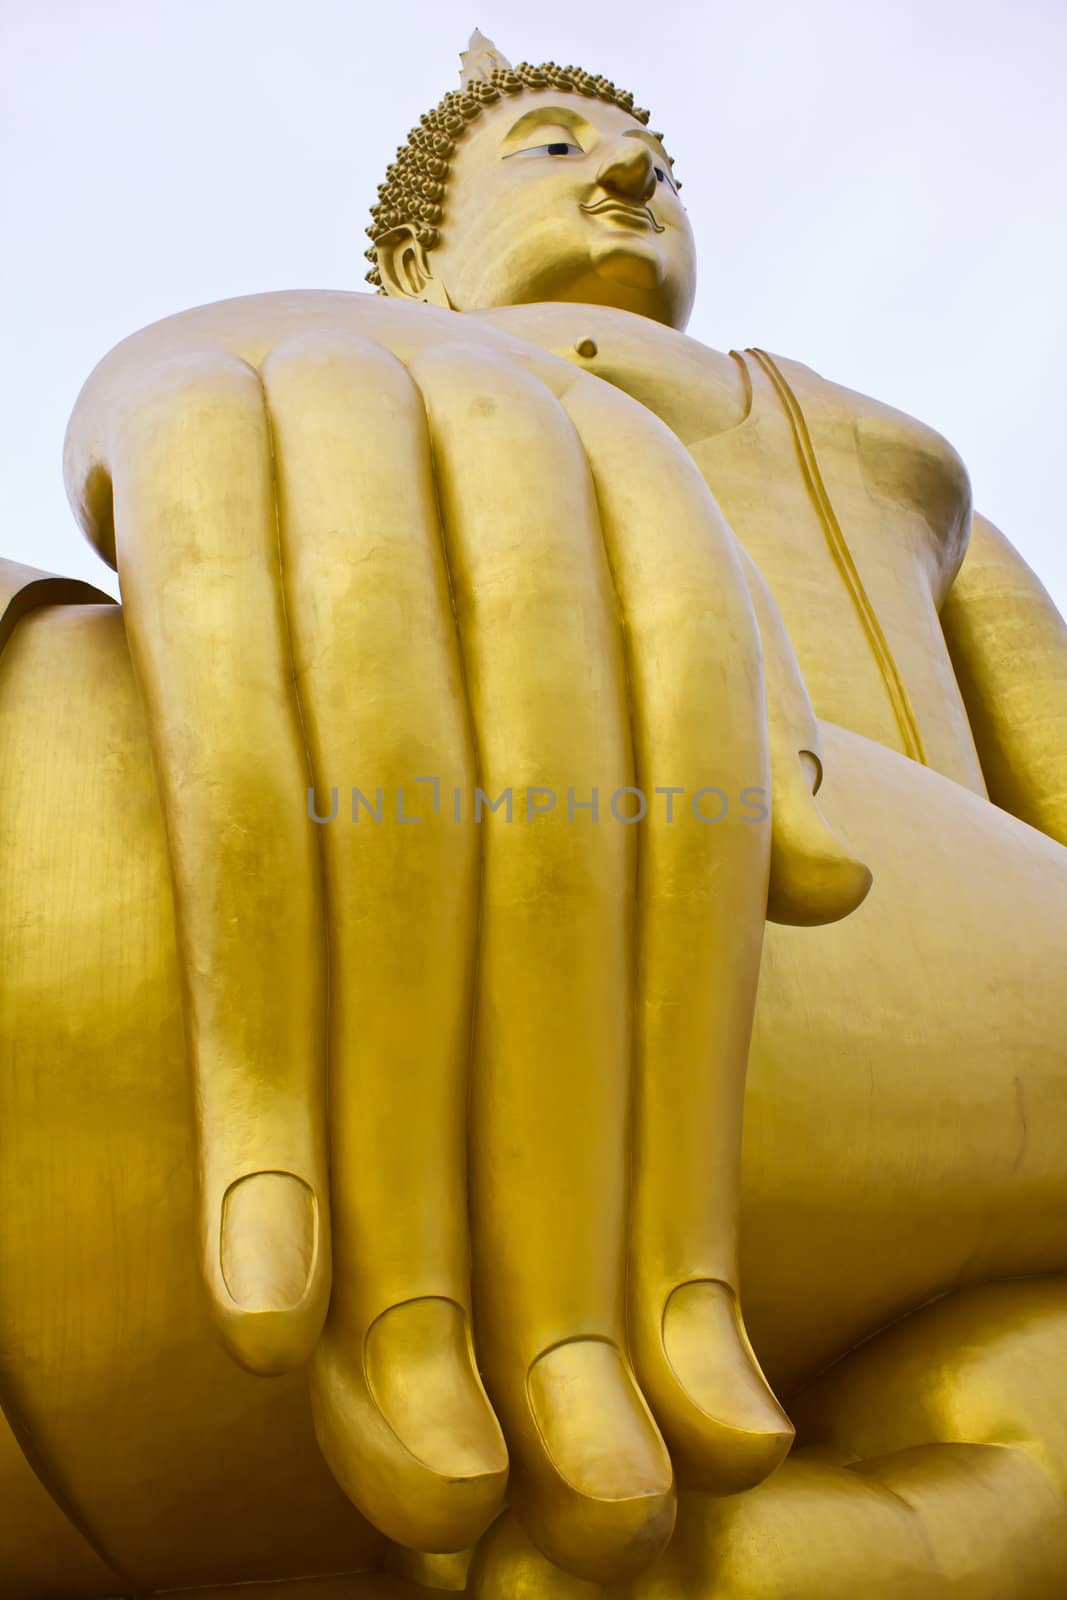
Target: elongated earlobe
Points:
(404, 266)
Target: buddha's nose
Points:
(628, 171)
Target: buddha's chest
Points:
(771, 435)
(857, 519)
(852, 525)
(855, 514)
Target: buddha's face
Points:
(553, 196)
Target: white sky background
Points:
(878, 189)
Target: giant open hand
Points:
(468, 1088)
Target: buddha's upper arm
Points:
(1008, 645)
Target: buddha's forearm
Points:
(1008, 645)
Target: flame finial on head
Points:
(480, 60)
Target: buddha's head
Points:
(534, 183)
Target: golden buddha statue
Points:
(406, 877)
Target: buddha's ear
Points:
(404, 267)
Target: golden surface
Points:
(372, 1093)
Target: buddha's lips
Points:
(636, 213)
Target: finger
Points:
(814, 878)
(694, 666)
(198, 563)
(399, 1408)
(590, 1477)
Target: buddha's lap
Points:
(907, 1098)
(954, 1426)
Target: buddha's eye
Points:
(558, 147)
(663, 176)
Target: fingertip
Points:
(726, 1429)
(267, 1344)
(268, 1240)
(597, 1491)
(406, 1427)
(421, 1374)
(268, 1271)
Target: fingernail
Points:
(705, 1342)
(420, 1373)
(268, 1241)
(596, 1429)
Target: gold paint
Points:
(435, 1118)
(842, 555)
(416, 180)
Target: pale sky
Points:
(878, 190)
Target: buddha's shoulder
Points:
(701, 392)
(902, 457)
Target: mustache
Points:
(613, 203)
